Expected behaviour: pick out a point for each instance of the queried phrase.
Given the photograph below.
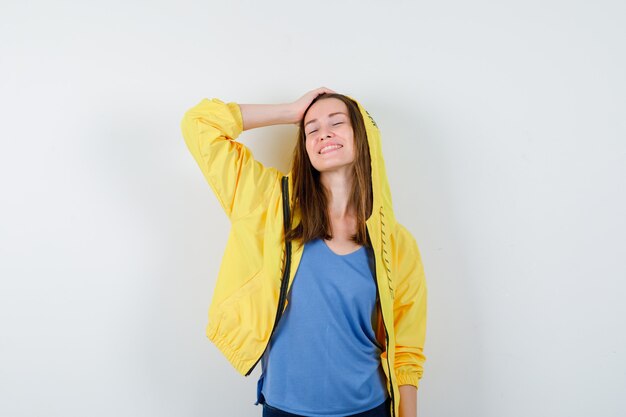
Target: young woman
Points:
(338, 319)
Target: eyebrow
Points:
(330, 115)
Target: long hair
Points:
(309, 196)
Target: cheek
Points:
(348, 133)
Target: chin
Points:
(331, 167)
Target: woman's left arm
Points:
(408, 401)
(410, 309)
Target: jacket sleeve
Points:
(409, 312)
(239, 181)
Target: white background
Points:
(504, 134)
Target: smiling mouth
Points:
(329, 149)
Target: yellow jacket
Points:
(247, 292)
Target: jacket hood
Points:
(380, 184)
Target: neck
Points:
(339, 185)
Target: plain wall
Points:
(504, 136)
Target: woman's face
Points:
(329, 135)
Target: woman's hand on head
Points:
(300, 105)
(259, 115)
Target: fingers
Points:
(318, 91)
(303, 102)
(325, 90)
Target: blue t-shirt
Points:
(324, 359)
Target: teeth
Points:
(329, 148)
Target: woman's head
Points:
(335, 120)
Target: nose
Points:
(325, 134)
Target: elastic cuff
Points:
(408, 378)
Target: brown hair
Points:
(309, 196)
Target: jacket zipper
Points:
(285, 278)
(372, 260)
(393, 400)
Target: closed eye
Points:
(313, 131)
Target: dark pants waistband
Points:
(382, 410)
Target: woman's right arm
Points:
(239, 181)
(210, 130)
(261, 115)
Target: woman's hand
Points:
(299, 106)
